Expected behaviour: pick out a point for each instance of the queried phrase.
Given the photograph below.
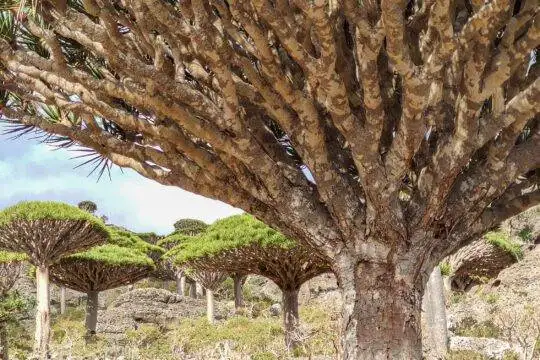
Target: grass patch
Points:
(471, 328)
(446, 268)
(502, 240)
(465, 355)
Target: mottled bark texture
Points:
(62, 300)
(388, 132)
(434, 312)
(291, 318)
(92, 307)
(238, 286)
(43, 314)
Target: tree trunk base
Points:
(380, 315)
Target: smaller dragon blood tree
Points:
(10, 271)
(100, 268)
(243, 245)
(45, 232)
(184, 230)
(210, 279)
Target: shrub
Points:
(471, 328)
(526, 234)
(145, 335)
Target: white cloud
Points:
(33, 172)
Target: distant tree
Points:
(10, 303)
(100, 268)
(168, 270)
(45, 232)
(190, 226)
(88, 205)
(210, 279)
(242, 245)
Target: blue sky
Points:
(33, 171)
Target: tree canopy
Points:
(101, 268)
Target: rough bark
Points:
(4, 346)
(210, 304)
(238, 284)
(92, 306)
(380, 315)
(291, 318)
(434, 310)
(62, 300)
(43, 319)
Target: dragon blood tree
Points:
(10, 271)
(386, 134)
(210, 279)
(100, 268)
(183, 229)
(45, 232)
(241, 244)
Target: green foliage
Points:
(190, 226)
(145, 335)
(49, 210)
(125, 238)
(510, 355)
(229, 233)
(11, 257)
(446, 269)
(114, 255)
(491, 298)
(526, 234)
(13, 304)
(173, 240)
(503, 241)
(250, 335)
(470, 327)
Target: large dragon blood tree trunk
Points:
(43, 315)
(383, 134)
(381, 312)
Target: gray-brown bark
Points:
(4, 346)
(210, 306)
(417, 121)
(43, 316)
(238, 287)
(434, 311)
(92, 306)
(291, 318)
(62, 300)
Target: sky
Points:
(33, 171)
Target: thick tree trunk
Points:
(435, 315)
(92, 298)
(210, 306)
(62, 300)
(180, 283)
(4, 355)
(380, 314)
(239, 291)
(43, 319)
(290, 318)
